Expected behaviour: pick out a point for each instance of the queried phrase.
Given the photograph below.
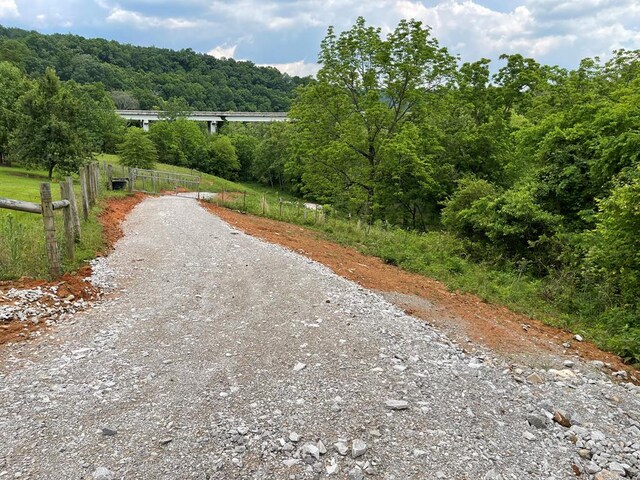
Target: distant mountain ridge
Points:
(140, 77)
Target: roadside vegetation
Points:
(22, 250)
(514, 180)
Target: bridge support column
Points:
(212, 127)
(145, 125)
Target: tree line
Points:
(143, 77)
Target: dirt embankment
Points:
(463, 316)
(70, 285)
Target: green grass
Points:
(22, 251)
(208, 183)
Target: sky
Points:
(287, 33)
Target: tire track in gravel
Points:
(217, 351)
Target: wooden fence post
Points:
(74, 210)
(84, 189)
(109, 177)
(51, 245)
(69, 236)
(130, 180)
(96, 181)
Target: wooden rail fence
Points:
(89, 185)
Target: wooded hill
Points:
(140, 77)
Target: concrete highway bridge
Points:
(213, 119)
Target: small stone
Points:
(294, 437)
(102, 473)
(243, 430)
(561, 419)
(592, 468)
(620, 374)
(356, 474)
(606, 475)
(419, 453)
(311, 449)
(537, 421)
(440, 475)
(597, 436)
(578, 338)
(358, 448)
(290, 462)
(492, 475)
(288, 447)
(569, 363)
(597, 364)
(109, 432)
(165, 441)
(341, 448)
(535, 378)
(586, 454)
(299, 366)
(566, 345)
(615, 467)
(321, 448)
(529, 436)
(332, 468)
(396, 404)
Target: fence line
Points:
(89, 186)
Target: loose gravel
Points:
(220, 356)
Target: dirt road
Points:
(221, 356)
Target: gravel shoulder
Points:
(218, 355)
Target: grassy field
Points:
(208, 183)
(22, 251)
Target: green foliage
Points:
(368, 89)
(137, 150)
(222, 160)
(50, 131)
(615, 252)
(13, 85)
(150, 75)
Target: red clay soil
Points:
(464, 317)
(115, 211)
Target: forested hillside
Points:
(141, 77)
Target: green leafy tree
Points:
(51, 132)
(221, 157)
(13, 85)
(137, 150)
(272, 154)
(368, 88)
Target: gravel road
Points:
(218, 356)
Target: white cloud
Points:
(299, 68)
(119, 15)
(223, 51)
(8, 9)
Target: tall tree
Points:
(51, 132)
(13, 85)
(137, 150)
(368, 89)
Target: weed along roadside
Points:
(466, 317)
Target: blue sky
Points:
(287, 33)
